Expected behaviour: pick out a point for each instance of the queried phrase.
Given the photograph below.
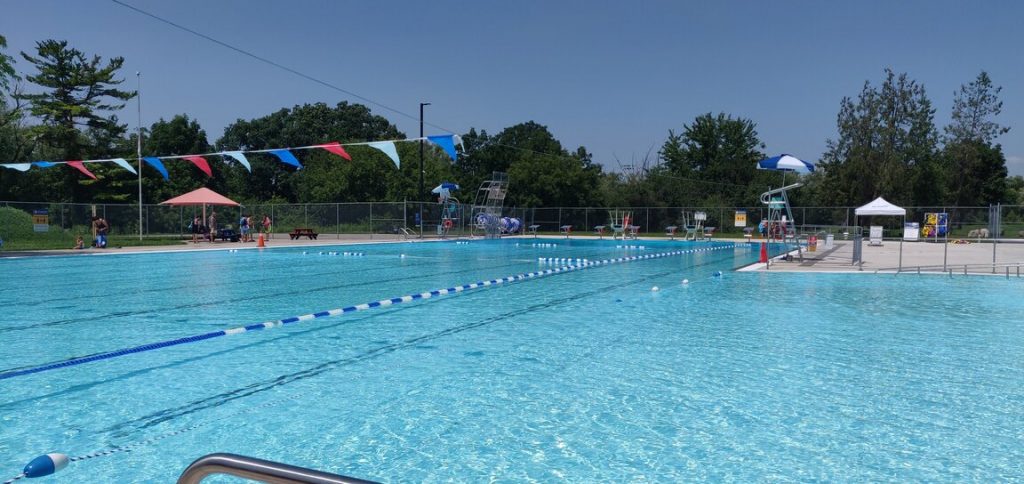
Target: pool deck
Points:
(889, 257)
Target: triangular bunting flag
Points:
(286, 157)
(43, 164)
(388, 148)
(200, 163)
(18, 166)
(336, 149)
(80, 167)
(123, 163)
(156, 163)
(445, 142)
(238, 156)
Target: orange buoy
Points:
(260, 242)
(764, 252)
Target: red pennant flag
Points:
(200, 163)
(81, 167)
(336, 149)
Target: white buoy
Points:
(686, 281)
(402, 256)
(655, 289)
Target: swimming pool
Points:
(582, 376)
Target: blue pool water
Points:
(582, 376)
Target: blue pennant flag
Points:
(44, 164)
(287, 157)
(445, 141)
(156, 163)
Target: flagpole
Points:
(138, 94)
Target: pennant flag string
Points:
(446, 142)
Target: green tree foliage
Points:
(978, 164)
(75, 108)
(7, 73)
(713, 160)
(886, 147)
(541, 172)
(179, 136)
(326, 177)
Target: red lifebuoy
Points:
(447, 224)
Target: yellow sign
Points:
(741, 218)
(41, 220)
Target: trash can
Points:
(812, 244)
(830, 241)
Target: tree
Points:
(714, 158)
(886, 147)
(78, 93)
(7, 73)
(977, 163)
(179, 136)
(325, 177)
(541, 173)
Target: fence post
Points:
(371, 220)
(305, 214)
(337, 218)
(648, 224)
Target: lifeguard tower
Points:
(694, 226)
(490, 201)
(781, 225)
(620, 224)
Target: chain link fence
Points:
(22, 223)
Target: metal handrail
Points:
(950, 267)
(259, 470)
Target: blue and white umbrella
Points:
(445, 187)
(785, 163)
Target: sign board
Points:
(911, 231)
(41, 220)
(741, 218)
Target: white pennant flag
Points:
(237, 155)
(123, 163)
(388, 147)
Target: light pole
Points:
(423, 193)
(138, 98)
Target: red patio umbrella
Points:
(202, 196)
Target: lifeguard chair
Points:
(620, 222)
(695, 227)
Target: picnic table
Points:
(303, 232)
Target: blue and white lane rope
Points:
(347, 309)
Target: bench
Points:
(228, 235)
(297, 233)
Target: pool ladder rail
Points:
(259, 470)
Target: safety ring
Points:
(447, 223)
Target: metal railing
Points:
(1007, 269)
(259, 470)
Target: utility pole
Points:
(138, 98)
(423, 193)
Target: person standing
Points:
(196, 227)
(266, 225)
(212, 225)
(243, 226)
(99, 227)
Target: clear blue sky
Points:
(613, 76)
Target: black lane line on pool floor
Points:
(156, 418)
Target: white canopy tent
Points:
(881, 206)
